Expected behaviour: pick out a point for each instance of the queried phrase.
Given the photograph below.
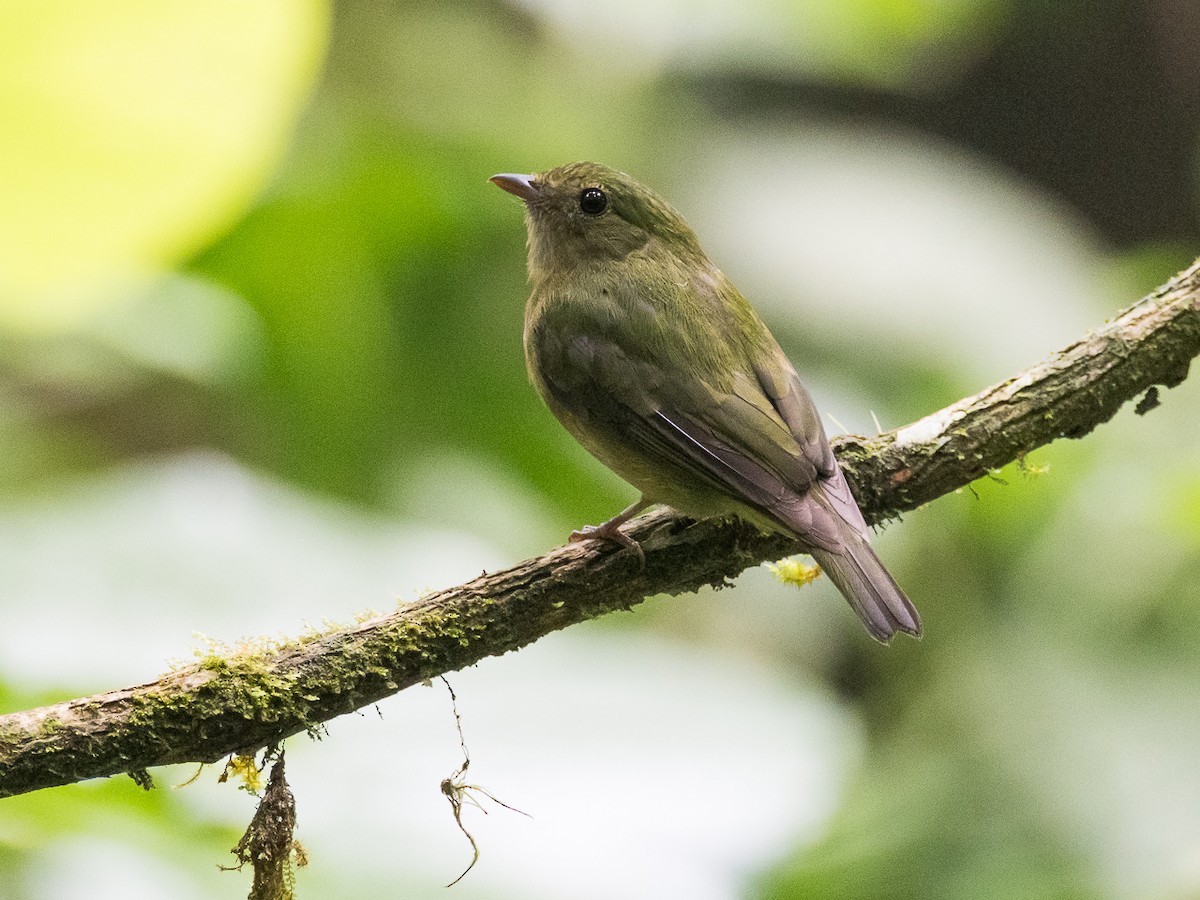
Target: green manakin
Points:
(652, 360)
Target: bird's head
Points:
(584, 214)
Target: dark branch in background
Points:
(254, 698)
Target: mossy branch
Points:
(243, 701)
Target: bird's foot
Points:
(609, 531)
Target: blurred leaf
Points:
(134, 131)
(932, 816)
(884, 42)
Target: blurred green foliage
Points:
(297, 261)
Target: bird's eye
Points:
(592, 201)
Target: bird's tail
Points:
(869, 588)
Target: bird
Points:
(653, 361)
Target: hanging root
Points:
(460, 794)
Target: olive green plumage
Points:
(652, 360)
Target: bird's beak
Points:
(524, 186)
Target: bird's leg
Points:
(611, 530)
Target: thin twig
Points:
(460, 793)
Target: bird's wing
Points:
(794, 404)
(758, 440)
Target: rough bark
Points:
(242, 701)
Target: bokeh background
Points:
(260, 370)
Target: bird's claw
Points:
(609, 532)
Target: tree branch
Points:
(246, 700)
